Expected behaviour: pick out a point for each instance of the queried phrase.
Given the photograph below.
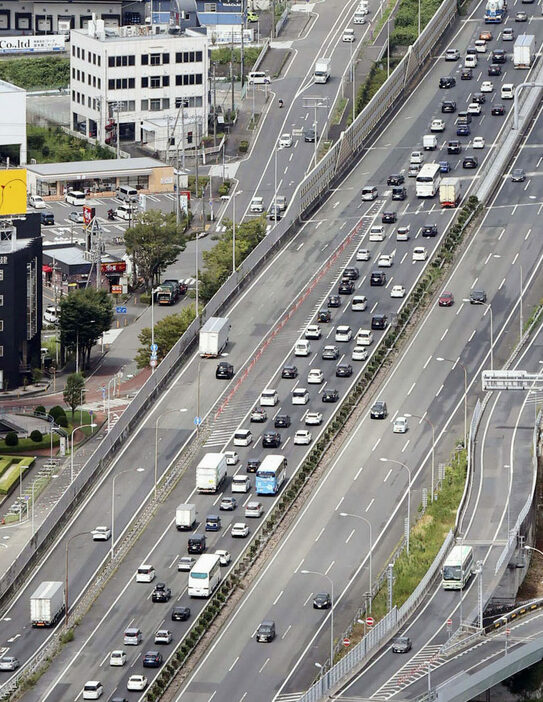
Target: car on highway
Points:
(452, 55)
(334, 301)
(521, 17)
(378, 278)
(145, 573)
(92, 690)
(486, 35)
(258, 415)
(417, 157)
(389, 217)
(420, 253)
(463, 130)
(470, 162)
(364, 337)
(429, 230)
(477, 297)
(359, 303)
(363, 255)
(344, 333)
(474, 108)
(101, 533)
(242, 437)
(330, 353)
(448, 106)
(9, 663)
(369, 193)
(494, 69)
(401, 644)
(76, 217)
(225, 371)
(413, 170)
(163, 636)
(313, 331)
(518, 175)
(478, 97)
(330, 395)
(487, 86)
(379, 410)
(300, 396)
(399, 193)
(480, 46)
(117, 658)
(254, 509)
(402, 233)
(478, 142)
(289, 372)
(315, 376)
(437, 125)
(447, 82)
(271, 439)
(385, 261)
(253, 464)
(400, 425)
(379, 321)
(132, 636)
(224, 556)
(346, 287)
(285, 141)
(497, 110)
(161, 593)
(444, 166)
(508, 34)
(185, 563)
(281, 421)
(359, 353)
(446, 299)
(302, 437)
(232, 458)
(213, 522)
(180, 613)
(136, 683)
(239, 530)
(348, 35)
(265, 632)
(397, 291)
(466, 74)
(227, 504)
(313, 419)
(344, 370)
(324, 316)
(310, 135)
(377, 233)
(395, 179)
(454, 147)
(153, 659)
(322, 600)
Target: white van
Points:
(300, 396)
(369, 192)
(358, 17)
(269, 398)
(92, 690)
(302, 348)
(364, 337)
(124, 212)
(241, 483)
(257, 204)
(242, 437)
(507, 91)
(359, 303)
(75, 197)
(258, 77)
(471, 61)
(145, 574)
(127, 193)
(429, 142)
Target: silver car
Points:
(9, 663)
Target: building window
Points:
(131, 82)
(189, 137)
(111, 61)
(165, 81)
(144, 105)
(78, 53)
(99, 60)
(111, 84)
(165, 103)
(94, 81)
(1, 325)
(73, 73)
(1, 300)
(99, 83)
(199, 56)
(181, 101)
(73, 50)
(1, 351)
(155, 59)
(131, 106)
(155, 82)
(73, 95)
(155, 105)
(145, 82)
(210, 7)
(145, 60)
(132, 60)
(1, 274)
(165, 58)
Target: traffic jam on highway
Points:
(397, 240)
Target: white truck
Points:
(210, 472)
(214, 336)
(185, 517)
(429, 142)
(450, 192)
(524, 51)
(47, 603)
(322, 70)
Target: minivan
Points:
(507, 91)
(364, 337)
(241, 483)
(378, 278)
(196, 543)
(359, 303)
(75, 197)
(302, 348)
(369, 192)
(145, 574)
(124, 212)
(242, 437)
(300, 396)
(258, 77)
(127, 193)
(92, 690)
(132, 636)
(269, 398)
(257, 204)
(463, 118)
(471, 61)
(47, 218)
(359, 17)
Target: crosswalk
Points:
(417, 667)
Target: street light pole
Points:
(429, 421)
(275, 184)
(324, 575)
(449, 360)
(66, 600)
(520, 303)
(156, 443)
(399, 463)
(367, 521)
(128, 470)
(84, 426)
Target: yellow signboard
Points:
(13, 191)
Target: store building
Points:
(120, 78)
(13, 118)
(67, 267)
(20, 298)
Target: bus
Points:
(204, 576)
(428, 180)
(458, 568)
(270, 475)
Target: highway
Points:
(252, 319)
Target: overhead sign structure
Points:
(13, 191)
(512, 380)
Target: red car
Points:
(446, 299)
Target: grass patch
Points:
(12, 474)
(43, 73)
(253, 121)
(338, 111)
(223, 56)
(27, 445)
(52, 145)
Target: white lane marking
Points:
(387, 476)
(329, 568)
(278, 597)
(338, 504)
(406, 445)
(370, 504)
(233, 664)
(289, 627)
(320, 534)
(299, 565)
(308, 598)
(411, 389)
(376, 444)
(444, 334)
(472, 335)
(350, 536)
(440, 389)
(104, 659)
(358, 472)
(261, 669)
(427, 362)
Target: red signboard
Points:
(116, 267)
(88, 214)
(186, 193)
(370, 621)
(346, 642)
(117, 289)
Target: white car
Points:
(125, 212)
(397, 291)
(402, 233)
(400, 425)
(185, 563)
(232, 458)
(302, 437)
(313, 331)
(163, 636)
(480, 46)
(359, 353)
(343, 333)
(363, 255)
(478, 143)
(474, 108)
(385, 261)
(136, 682)
(315, 376)
(51, 314)
(117, 658)
(254, 509)
(348, 35)
(285, 141)
(92, 690)
(242, 437)
(417, 157)
(487, 86)
(420, 253)
(437, 125)
(240, 530)
(377, 233)
(224, 556)
(37, 202)
(101, 533)
(313, 419)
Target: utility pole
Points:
(273, 20)
(118, 140)
(242, 56)
(183, 135)
(214, 109)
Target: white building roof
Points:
(108, 167)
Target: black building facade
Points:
(20, 299)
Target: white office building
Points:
(13, 118)
(125, 77)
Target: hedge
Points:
(11, 476)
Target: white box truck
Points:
(450, 192)
(47, 603)
(524, 51)
(185, 517)
(322, 70)
(210, 472)
(214, 336)
(429, 142)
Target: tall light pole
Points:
(323, 575)
(234, 231)
(66, 599)
(128, 470)
(275, 184)
(84, 426)
(114, 381)
(156, 443)
(429, 421)
(449, 360)
(399, 463)
(367, 521)
(153, 291)
(521, 319)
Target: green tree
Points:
(84, 315)
(74, 391)
(154, 242)
(167, 332)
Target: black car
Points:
(470, 162)
(196, 543)
(479, 98)
(346, 287)
(213, 522)
(152, 659)
(324, 316)
(466, 74)
(281, 421)
(265, 632)
(330, 396)
(518, 175)
(271, 439)
(225, 371)
(395, 179)
(322, 601)
(310, 135)
(447, 82)
(498, 56)
(379, 321)
(334, 301)
(399, 193)
(47, 218)
(161, 593)
(454, 147)
(388, 217)
(448, 106)
(477, 297)
(344, 370)
(330, 353)
(494, 69)
(401, 644)
(180, 614)
(289, 372)
(378, 278)
(497, 109)
(351, 273)
(379, 410)
(463, 130)
(253, 464)
(429, 230)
